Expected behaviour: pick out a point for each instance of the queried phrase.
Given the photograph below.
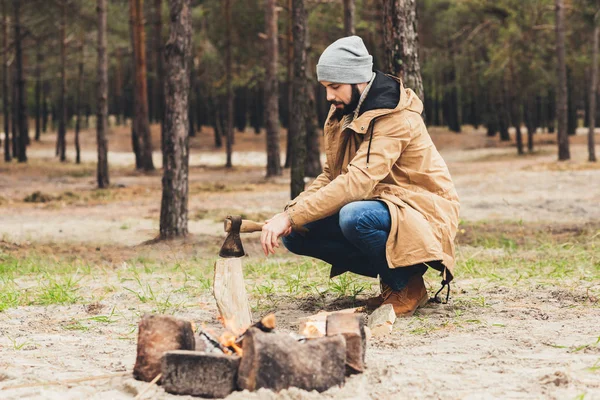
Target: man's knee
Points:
(349, 216)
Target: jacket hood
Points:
(387, 95)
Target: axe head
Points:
(232, 247)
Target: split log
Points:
(157, 334)
(314, 326)
(381, 321)
(230, 293)
(277, 361)
(352, 327)
(199, 374)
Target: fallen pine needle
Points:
(66, 381)
(140, 394)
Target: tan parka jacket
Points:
(387, 154)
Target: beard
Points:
(349, 108)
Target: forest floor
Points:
(76, 274)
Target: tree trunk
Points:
(401, 42)
(298, 117)
(349, 8)
(61, 140)
(45, 107)
(5, 87)
(38, 92)
(135, 140)
(593, 90)
(102, 114)
(228, 78)
(174, 212)
(15, 114)
(159, 104)
(272, 91)
(561, 95)
(118, 95)
(571, 106)
(289, 154)
(312, 164)
(79, 103)
(142, 125)
(21, 104)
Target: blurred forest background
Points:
(483, 63)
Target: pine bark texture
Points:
(228, 77)
(5, 87)
(272, 90)
(62, 119)
(299, 98)
(102, 92)
(401, 42)
(174, 212)
(142, 124)
(290, 78)
(159, 102)
(21, 104)
(561, 95)
(38, 92)
(593, 90)
(349, 10)
(78, 106)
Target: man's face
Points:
(343, 96)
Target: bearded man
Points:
(385, 204)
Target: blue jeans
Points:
(354, 240)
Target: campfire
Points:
(207, 364)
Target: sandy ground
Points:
(494, 340)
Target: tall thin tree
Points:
(401, 42)
(38, 90)
(159, 102)
(561, 95)
(102, 104)
(21, 104)
(228, 83)
(62, 119)
(594, 86)
(272, 90)
(299, 98)
(142, 124)
(290, 78)
(135, 139)
(349, 10)
(79, 104)
(5, 88)
(174, 205)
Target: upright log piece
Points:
(352, 327)
(277, 361)
(156, 335)
(199, 374)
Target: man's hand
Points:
(275, 227)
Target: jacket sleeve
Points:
(387, 144)
(319, 182)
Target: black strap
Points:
(435, 299)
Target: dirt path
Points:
(523, 322)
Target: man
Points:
(385, 203)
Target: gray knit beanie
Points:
(345, 61)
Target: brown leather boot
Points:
(374, 302)
(407, 300)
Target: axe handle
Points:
(246, 227)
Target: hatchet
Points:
(228, 285)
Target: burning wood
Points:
(256, 358)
